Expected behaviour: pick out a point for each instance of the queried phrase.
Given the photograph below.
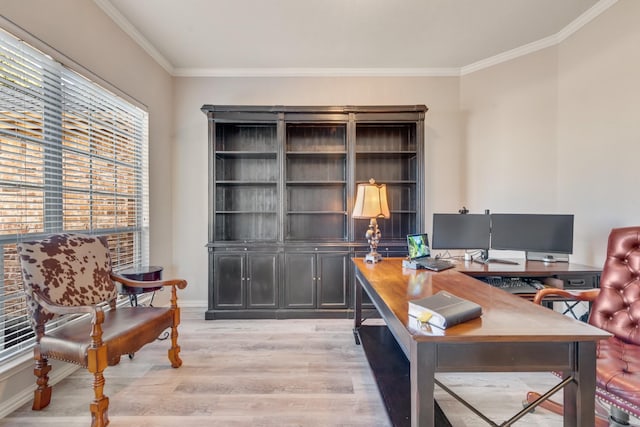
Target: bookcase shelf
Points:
(242, 212)
(316, 153)
(326, 183)
(246, 154)
(385, 154)
(246, 183)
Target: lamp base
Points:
(373, 257)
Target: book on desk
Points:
(443, 310)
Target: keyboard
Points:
(514, 285)
(435, 264)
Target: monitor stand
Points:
(546, 257)
(484, 259)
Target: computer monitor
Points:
(461, 231)
(542, 236)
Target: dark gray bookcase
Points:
(246, 177)
(282, 181)
(316, 182)
(389, 152)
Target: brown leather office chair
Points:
(71, 274)
(616, 309)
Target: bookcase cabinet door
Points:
(229, 275)
(300, 280)
(262, 280)
(245, 280)
(333, 280)
(317, 280)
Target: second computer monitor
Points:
(537, 233)
(461, 231)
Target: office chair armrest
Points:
(179, 283)
(576, 295)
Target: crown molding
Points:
(552, 40)
(509, 55)
(584, 19)
(546, 42)
(316, 72)
(128, 28)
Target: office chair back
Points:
(617, 307)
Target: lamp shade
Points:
(371, 201)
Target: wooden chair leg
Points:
(96, 364)
(42, 394)
(557, 408)
(174, 351)
(100, 406)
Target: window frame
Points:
(106, 115)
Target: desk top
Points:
(505, 317)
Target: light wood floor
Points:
(265, 373)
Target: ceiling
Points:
(344, 37)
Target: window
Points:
(73, 157)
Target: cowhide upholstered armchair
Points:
(72, 274)
(616, 309)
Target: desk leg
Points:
(579, 397)
(357, 307)
(357, 302)
(422, 368)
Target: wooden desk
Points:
(512, 335)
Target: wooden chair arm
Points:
(576, 295)
(97, 316)
(179, 283)
(54, 308)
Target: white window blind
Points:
(73, 158)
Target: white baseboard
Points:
(192, 304)
(20, 397)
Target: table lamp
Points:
(371, 203)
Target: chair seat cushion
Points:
(618, 372)
(125, 330)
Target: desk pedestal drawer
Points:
(579, 281)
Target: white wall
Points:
(443, 139)
(558, 131)
(510, 137)
(599, 127)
